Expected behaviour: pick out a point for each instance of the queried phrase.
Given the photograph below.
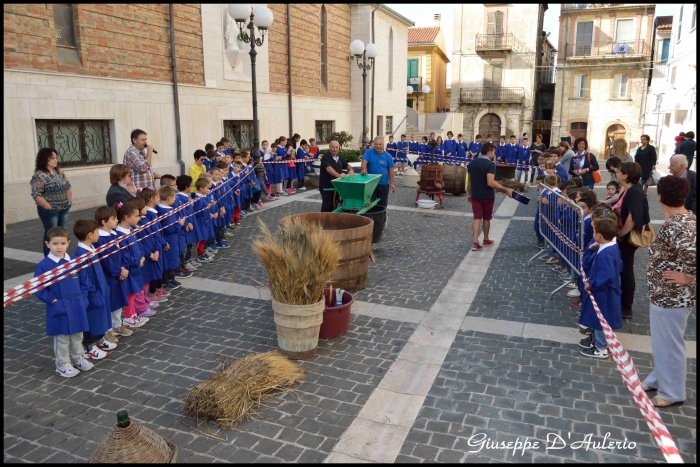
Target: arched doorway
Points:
(490, 124)
(614, 132)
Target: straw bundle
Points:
(514, 185)
(298, 261)
(236, 389)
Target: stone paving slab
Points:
(14, 268)
(506, 387)
(513, 291)
(51, 418)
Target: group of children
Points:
(281, 174)
(563, 202)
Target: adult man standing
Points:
(377, 161)
(481, 193)
(687, 147)
(332, 166)
(679, 168)
(141, 174)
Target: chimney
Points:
(437, 20)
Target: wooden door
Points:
(490, 124)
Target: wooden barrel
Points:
(298, 328)
(428, 174)
(455, 178)
(354, 236)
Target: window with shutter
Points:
(491, 23)
(499, 22)
(581, 86)
(584, 38)
(620, 87)
(624, 32)
(488, 75)
(497, 76)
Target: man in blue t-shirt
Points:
(481, 192)
(377, 161)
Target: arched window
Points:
(324, 48)
(391, 58)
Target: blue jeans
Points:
(519, 174)
(51, 218)
(599, 339)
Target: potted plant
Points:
(298, 261)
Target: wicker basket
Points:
(134, 445)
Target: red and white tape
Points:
(626, 367)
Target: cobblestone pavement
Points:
(514, 291)
(505, 388)
(49, 418)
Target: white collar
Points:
(501, 144)
(149, 209)
(87, 247)
(164, 206)
(103, 233)
(603, 247)
(56, 259)
(178, 194)
(512, 144)
(123, 230)
(449, 139)
(587, 217)
(198, 195)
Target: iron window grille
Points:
(324, 128)
(77, 142)
(239, 133)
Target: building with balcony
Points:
(494, 76)
(427, 65)
(605, 52)
(672, 95)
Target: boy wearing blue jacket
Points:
(501, 149)
(403, 148)
(450, 146)
(97, 310)
(172, 225)
(106, 218)
(603, 268)
(523, 160)
(66, 302)
(462, 148)
(512, 151)
(475, 147)
(203, 216)
(218, 195)
(414, 147)
(561, 171)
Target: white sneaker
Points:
(135, 321)
(302, 188)
(210, 251)
(95, 354)
(195, 263)
(191, 267)
(544, 257)
(82, 364)
(107, 346)
(552, 260)
(67, 370)
(573, 293)
(571, 285)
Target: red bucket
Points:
(336, 319)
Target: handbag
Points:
(644, 238)
(596, 174)
(617, 207)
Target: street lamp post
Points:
(360, 51)
(261, 18)
(425, 90)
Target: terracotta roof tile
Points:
(664, 23)
(422, 35)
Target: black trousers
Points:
(327, 201)
(627, 283)
(381, 192)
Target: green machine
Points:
(356, 192)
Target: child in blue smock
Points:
(172, 224)
(462, 148)
(603, 269)
(203, 218)
(475, 148)
(523, 160)
(152, 270)
(414, 147)
(392, 148)
(97, 310)
(302, 153)
(66, 304)
(402, 149)
(145, 243)
(111, 261)
(512, 151)
(501, 149)
(128, 216)
(450, 147)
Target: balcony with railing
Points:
(609, 50)
(489, 43)
(416, 83)
(589, 6)
(496, 95)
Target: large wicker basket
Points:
(134, 445)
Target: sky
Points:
(423, 15)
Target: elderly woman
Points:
(51, 191)
(646, 158)
(671, 279)
(583, 163)
(633, 209)
(122, 187)
(619, 149)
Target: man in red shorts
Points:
(481, 192)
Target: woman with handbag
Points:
(584, 164)
(646, 158)
(671, 276)
(634, 216)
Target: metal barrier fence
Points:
(560, 224)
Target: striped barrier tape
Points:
(627, 370)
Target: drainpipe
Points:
(178, 135)
(563, 77)
(289, 65)
(374, 67)
(653, 48)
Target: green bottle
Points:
(123, 419)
